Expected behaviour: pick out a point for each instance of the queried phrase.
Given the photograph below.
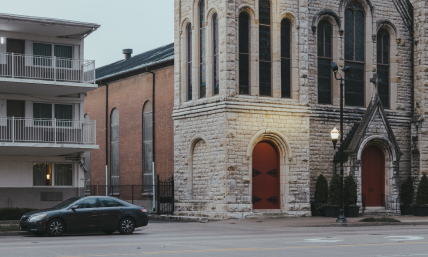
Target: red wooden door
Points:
(373, 176)
(266, 191)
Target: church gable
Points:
(374, 123)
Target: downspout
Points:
(154, 137)
(106, 131)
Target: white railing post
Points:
(54, 65)
(94, 131)
(13, 65)
(94, 78)
(13, 128)
(54, 130)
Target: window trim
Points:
(189, 62)
(202, 50)
(323, 24)
(53, 170)
(216, 54)
(383, 32)
(289, 58)
(248, 53)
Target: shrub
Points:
(350, 191)
(407, 191)
(422, 196)
(334, 191)
(13, 213)
(321, 190)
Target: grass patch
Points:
(383, 219)
(9, 228)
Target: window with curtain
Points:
(383, 46)
(42, 54)
(244, 53)
(114, 151)
(354, 55)
(64, 55)
(64, 115)
(325, 58)
(189, 62)
(63, 174)
(286, 58)
(42, 174)
(147, 146)
(202, 51)
(216, 63)
(265, 62)
(42, 114)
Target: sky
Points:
(138, 24)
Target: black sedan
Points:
(90, 213)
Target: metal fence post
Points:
(158, 195)
(172, 193)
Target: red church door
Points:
(266, 191)
(373, 176)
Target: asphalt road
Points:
(228, 238)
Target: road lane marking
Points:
(242, 249)
(322, 240)
(404, 238)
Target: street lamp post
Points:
(334, 134)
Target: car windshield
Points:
(66, 203)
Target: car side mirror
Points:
(74, 207)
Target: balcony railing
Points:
(46, 68)
(47, 131)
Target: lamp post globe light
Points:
(335, 134)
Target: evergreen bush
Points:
(422, 196)
(334, 191)
(407, 191)
(350, 191)
(13, 213)
(321, 190)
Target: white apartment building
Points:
(43, 128)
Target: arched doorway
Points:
(266, 177)
(373, 176)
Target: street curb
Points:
(179, 218)
(371, 224)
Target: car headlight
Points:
(37, 217)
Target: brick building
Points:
(123, 108)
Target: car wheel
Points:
(126, 226)
(55, 227)
(38, 233)
(108, 232)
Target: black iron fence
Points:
(159, 198)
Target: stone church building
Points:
(255, 100)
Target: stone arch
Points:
(369, 11)
(190, 161)
(210, 15)
(246, 8)
(184, 24)
(389, 26)
(328, 15)
(391, 163)
(285, 157)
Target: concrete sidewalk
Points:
(302, 221)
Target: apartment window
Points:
(63, 174)
(202, 51)
(64, 115)
(324, 62)
(63, 53)
(383, 47)
(354, 55)
(244, 53)
(114, 151)
(42, 114)
(286, 58)
(189, 62)
(42, 174)
(265, 49)
(147, 146)
(45, 173)
(216, 64)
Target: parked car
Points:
(90, 213)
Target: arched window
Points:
(285, 58)
(354, 55)
(216, 64)
(189, 62)
(202, 51)
(383, 46)
(265, 63)
(324, 37)
(147, 146)
(244, 53)
(114, 151)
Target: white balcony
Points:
(45, 137)
(45, 75)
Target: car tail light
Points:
(143, 210)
